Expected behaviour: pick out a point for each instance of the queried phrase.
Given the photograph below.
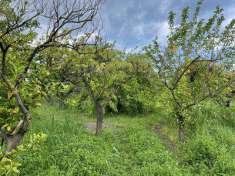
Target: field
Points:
(129, 145)
(117, 88)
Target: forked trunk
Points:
(99, 117)
(14, 139)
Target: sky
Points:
(133, 23)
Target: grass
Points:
(129, 147)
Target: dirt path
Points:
(91, 126)
(171, 146)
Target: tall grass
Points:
(126, 148)
(129, 145)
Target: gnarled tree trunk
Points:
(12, 140)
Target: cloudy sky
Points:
(134, 23)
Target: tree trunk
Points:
(99, 117)
(14, 139)
(181, 131)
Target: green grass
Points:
(128, 147)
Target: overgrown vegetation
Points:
(161, 111)
(128, 146)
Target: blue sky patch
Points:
(133, 23)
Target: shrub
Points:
(205, 156)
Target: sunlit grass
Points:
(127, 146)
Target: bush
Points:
(10, 163)
(205, 156)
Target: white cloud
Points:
(41, 34)
(162, 31)
(229, 15)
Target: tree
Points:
(138, 94)
(193, 65)
(96, 72)
(20, 46)
(226, 97)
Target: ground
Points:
(138, 145)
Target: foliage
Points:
(206, 156)
(194, 65)
(129, 147)
(191, 79)
(122, 85)
(9, 166)
(138, 94)
(133, 150)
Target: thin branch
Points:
(179, 77)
